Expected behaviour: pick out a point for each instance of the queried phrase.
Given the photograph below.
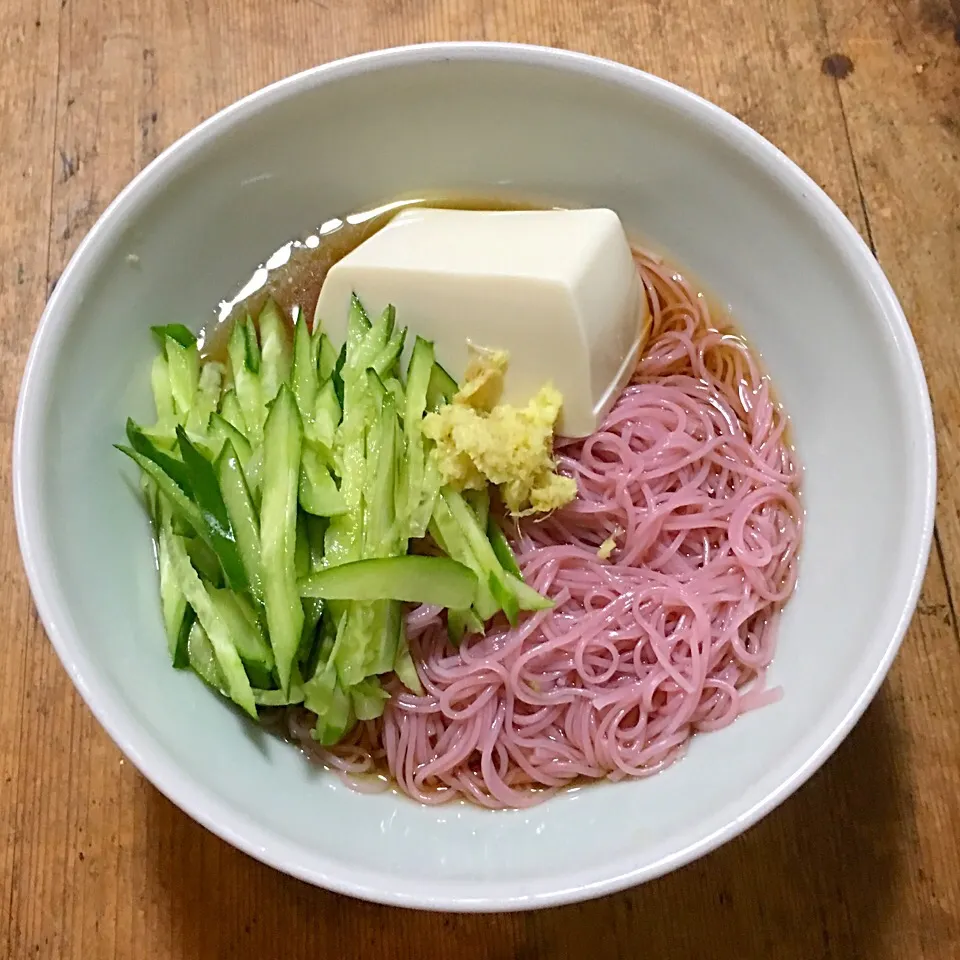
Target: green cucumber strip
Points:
(202, 658)
(218, 531)
(172, 601)
(185, 511)
(358, 332)
(303, 377)
(450, 539)
(313, 607)
(316, 528)
(312, 615)
(365, 448)
(243, 516)
(325, 696)
(527, 597)
(231, 412)
(183, 640)
(204, 560)
(418, 378)
(162, 394)
(151, 499)
(337, 376)
(430, 494)
(252, 351)
(337, 718)
(405, 669)
(282, 442)
(479, 502)
(206, 400)
(381, 537)
(368, 699)
(385, 358)
(320, 679)
(183, 364)
(398, 393)
(237, 351)
(181, 526)
(388, 629)
(197, 423)
(164, 437)
(353, 641)
(344, 537)
(276, 355)
(326, 414)
(505, 596)
(246, 380)
(441, 388)
(400, 524)
(358, 323)
(374, 386)
(327, 358)
(502, 549)
(210, 384)
(379, 336)
(373, 352)
(261, 678)
(462, 622)
(174, 468)
(176, 332)
(473, 623)
(253, 471)
(389, 319)
(277, 698)
(387, 362)
(479, 545)
(245, 630)
(382, 457)
(422, 474)
(228, 659)
(220, 431)
(318, 491)
(301, 553)
(414, 579)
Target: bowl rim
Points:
(244, 833)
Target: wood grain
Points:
(863, 861)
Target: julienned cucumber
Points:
(243, 516)
(441, 387)
(437, 581)
(285, 489)
(172, 600)
(282, 440)
(198, 595)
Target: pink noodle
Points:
(691, 472)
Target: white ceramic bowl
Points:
(345, 136)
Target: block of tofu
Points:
(557, 289)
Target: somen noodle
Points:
(693, 477)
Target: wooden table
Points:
(864, 861)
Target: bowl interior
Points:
(701, 189)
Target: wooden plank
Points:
(759, 61)
(902, 102)
(861, 862)
(28, 76)
(900, 90)
(89, 94)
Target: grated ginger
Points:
(480, 441)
